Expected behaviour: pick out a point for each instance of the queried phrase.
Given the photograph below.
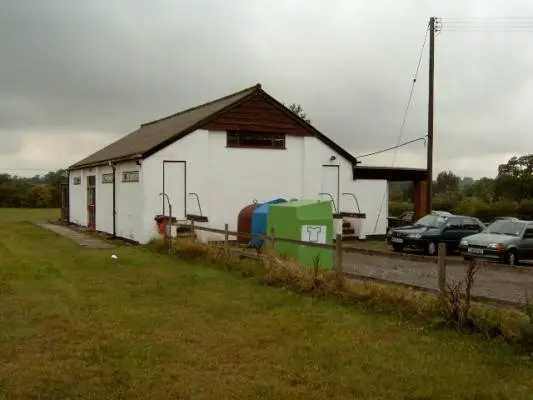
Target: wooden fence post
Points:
(338, 253)
(270, 248)
(442, 266)
(226, 239)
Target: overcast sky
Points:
(76, 75)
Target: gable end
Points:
(257, 115)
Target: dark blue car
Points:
(426, 233)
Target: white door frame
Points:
(184, 185)
(337, 201)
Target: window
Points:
(130, 176)
(469, 224)
(107, 178)
(455, 223)
(506, 227)
(528, 233)
(431, 221)
(259, 140)
(76, 180)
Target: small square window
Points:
(107, 178)
(76, 180)
(257, 140)
(130, 176)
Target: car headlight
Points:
(414, 235)
(463, 242)
(497, 246)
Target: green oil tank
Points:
(304, 220)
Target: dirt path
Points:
(80, 238)
(497, 282)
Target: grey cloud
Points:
(109, 65)
(10, 142)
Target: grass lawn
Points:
(28, 214)
(77, 324)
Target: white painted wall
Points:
(193, 149)
(239, 176)
(129, 201)
(226, 180)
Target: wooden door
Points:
(91, 201)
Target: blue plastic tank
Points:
(259, 222)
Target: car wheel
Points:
(511, 257)
(397, 247)
(432, 249)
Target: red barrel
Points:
(244, 223)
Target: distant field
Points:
(77, 324)
(28, 214)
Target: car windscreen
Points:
(431, 221)
(506, 227)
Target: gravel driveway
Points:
(498, 282)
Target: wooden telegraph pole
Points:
(430, 111)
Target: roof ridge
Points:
(257, 86)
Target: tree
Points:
(54, 177)
(39, 196)
(446, 182)
(35, 191)
(515, 179)
(466, 182)
(299, 111)
(517, 167)
(482, 189)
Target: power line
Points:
(394, 147)
(404, 120)
(486, 24)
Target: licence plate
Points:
(396, 240)
(473, 250)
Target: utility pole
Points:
(430, 111)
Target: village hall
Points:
(211, 160)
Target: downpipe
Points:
(114, 200)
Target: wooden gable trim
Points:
(257, 115)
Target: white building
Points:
(214, 159)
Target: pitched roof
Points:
(155, 135)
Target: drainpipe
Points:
(114, 200)
(68, 197)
